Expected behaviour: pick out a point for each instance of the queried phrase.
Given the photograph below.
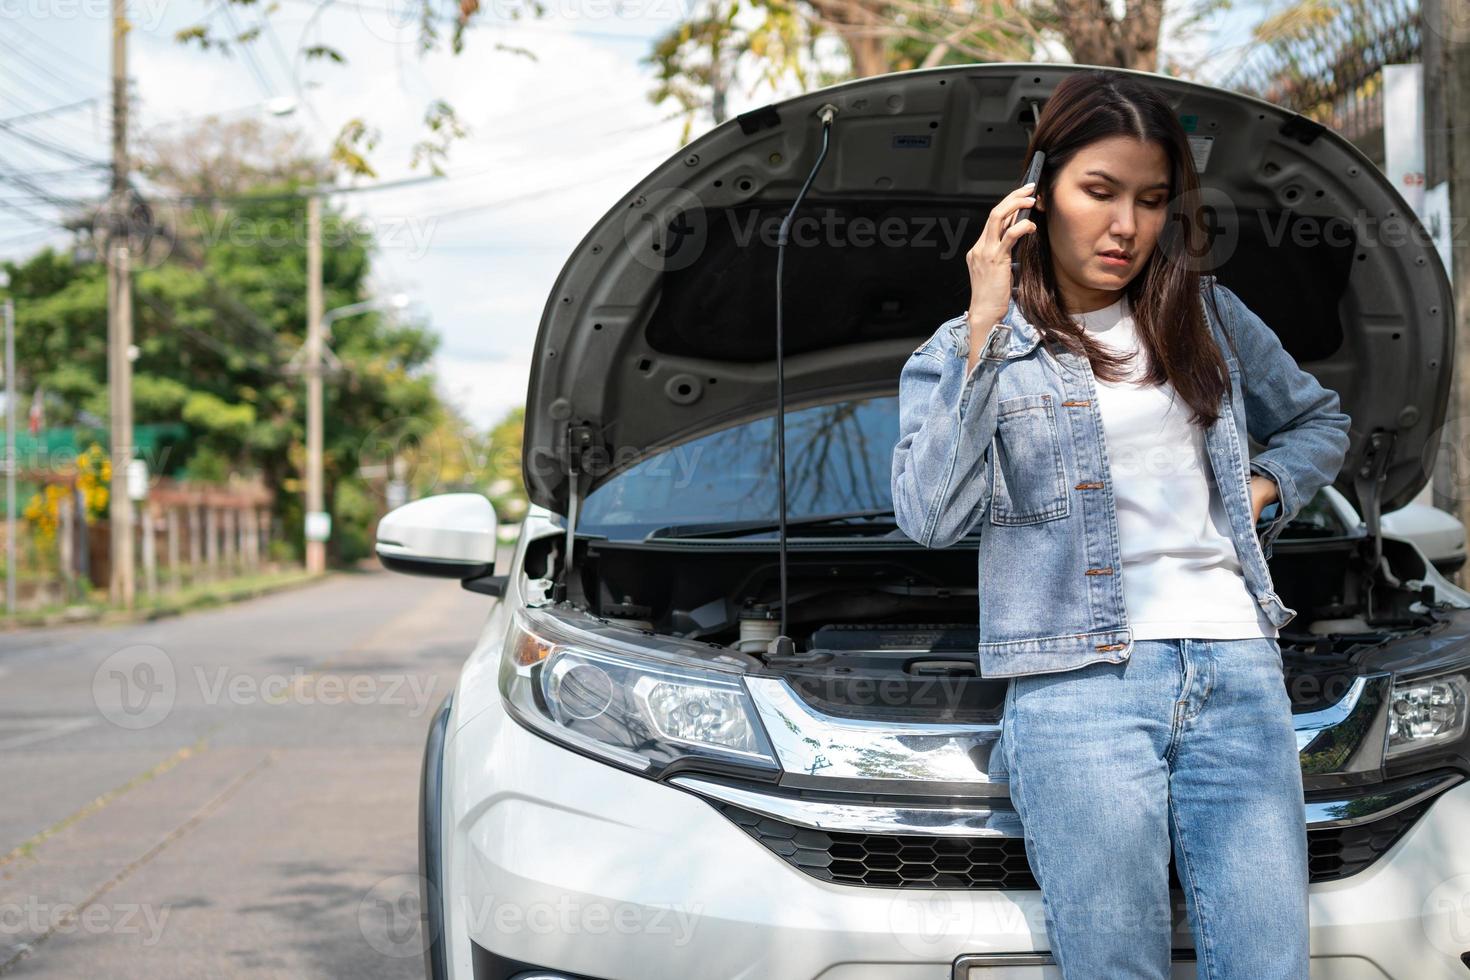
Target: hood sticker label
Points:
(1200, 146)
(920, 142)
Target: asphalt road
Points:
(229, 793)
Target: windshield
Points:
(839, 460)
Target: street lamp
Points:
(397, 301)
(318, 527)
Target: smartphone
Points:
(1033, 173)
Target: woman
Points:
(1123, 588)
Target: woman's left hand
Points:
(1263, 492)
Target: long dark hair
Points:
(1165, 294)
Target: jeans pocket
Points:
(1030, 477)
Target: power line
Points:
(42, 67)
(33, 234)
(39, 192)
(482, 23)
(499, 165)
(30, 108)
(25, 213)
(65, 171)
(560, 188)
(249, 48)
(58, 51)
(291, 195)
(54, 110)
(197, 117)
(299, 59)
(268, 27)
(50, 147)
(598, 110)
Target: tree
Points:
(702, 58)
(700, 61)
(438, 21)
(217, 318)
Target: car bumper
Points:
(555, 859)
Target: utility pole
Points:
(317, 528)
(10, 455)
(1445, 43)
(120, 321)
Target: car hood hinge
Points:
(1368, 484)
(582, 440)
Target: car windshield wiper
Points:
(735, 528)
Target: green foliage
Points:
(207, 466)
(158, 398)
(215, 326)
(444, 128)
(217, 416)
(355, 507)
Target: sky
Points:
(556, 136)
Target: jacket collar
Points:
(1025, 335)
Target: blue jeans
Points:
(1187, 745)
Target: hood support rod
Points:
(1368, 483)
(782, 645)
(579, 441)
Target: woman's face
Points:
(1110, 197)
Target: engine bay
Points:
(891, 632)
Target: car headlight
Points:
(626, 705)
(1426, 711)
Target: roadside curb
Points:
(82, 615)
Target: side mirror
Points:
(450, 535)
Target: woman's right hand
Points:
(990, 259)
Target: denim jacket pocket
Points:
(1030, 479)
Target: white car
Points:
(627, 784)
(1438, 534)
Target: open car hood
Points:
(661, 326)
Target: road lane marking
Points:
(27, 846)
(28, 949)
(56, 728)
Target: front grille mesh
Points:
(1337, 852)
(920, 861)
(891, 860)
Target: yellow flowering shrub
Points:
(94, 477)
(43, 511)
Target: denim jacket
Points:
(1016, 448)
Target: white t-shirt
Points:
(1181, 575)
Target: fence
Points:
(1328, 66)
(185, 534)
